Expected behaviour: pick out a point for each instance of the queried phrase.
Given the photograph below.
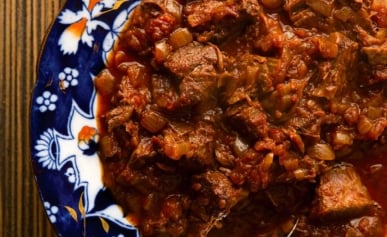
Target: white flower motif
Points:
(51, 211)
(43, 148)
(69, 77)
(82, 23)
(70, 173)
(47, 101)
(118, 24)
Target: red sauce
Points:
(372, 168)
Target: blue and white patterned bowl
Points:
(64, 133)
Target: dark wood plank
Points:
(23, 25)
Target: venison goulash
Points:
(250, 118)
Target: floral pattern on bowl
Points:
(64, 133)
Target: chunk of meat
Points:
(340, 195)
(215, 196)
(200, 85)
(118, 116)
(194, 148)
(216, 20)
(333, 76)
(249, 119)
(185, 59)
(365, 226)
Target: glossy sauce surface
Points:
(285, 109)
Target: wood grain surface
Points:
(23, 27)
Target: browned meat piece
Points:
(340, 195)
(195, 65)
(200, 85)
(287, 198)
(190, 144)
(202, 140)
(142, 153)
(185, 59)
(215, 196)
(248, 119)
(118, 116)
(365, 226)
(333, 76)
(215, 20)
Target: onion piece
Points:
(105, 82)
(267, 161)
(177, 150)
(220, 64)
(180, 37)
(152, 121)
(161, 51)
(240, 147)
(364, 125)
(174, 8)
(321, 151)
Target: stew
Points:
(248, 118)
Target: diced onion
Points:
(176, 150)
(267, 161)
(104, 82)
(321, 151)
(300, 174)
(180, 37)
(152, 121)
(161, 51)
(174, 8)
(240, 147)
(341, 139)
(364, 125)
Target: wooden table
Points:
(23, 27)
